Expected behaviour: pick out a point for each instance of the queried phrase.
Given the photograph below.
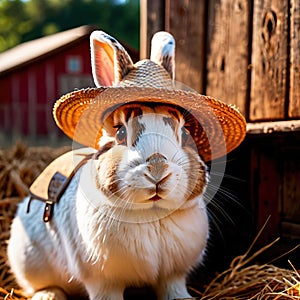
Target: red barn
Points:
(33, 75)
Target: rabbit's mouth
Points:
(155, 198)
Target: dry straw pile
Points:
(19, 166)
(243, 280)
(246, 281)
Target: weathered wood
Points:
(291, 187)
(271, 127)
(228, 51)
(294, 93)
(268, 194)
(269, 60)
(186, 21)
(152, 20)
(290, 230)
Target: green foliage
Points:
(25, 20)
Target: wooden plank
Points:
(228, 51)
(254, 181)
(291, 187)
(294, 99)
(16, 122)
(186, 21)
(269, 187)
(269, 60)
(290, 230)
(32, 101)
(272, 127)
(152, 16)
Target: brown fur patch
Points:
(171, 122)
(107, 179)
(137, 130)
(197, 176)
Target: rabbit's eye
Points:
(185, 136)
(121, 135)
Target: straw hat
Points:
(80, 114)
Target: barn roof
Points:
(36, 49)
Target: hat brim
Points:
(80, 115)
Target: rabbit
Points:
(134, 214)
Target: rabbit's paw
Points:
(50, 294)
(173, 289)
(96, 291)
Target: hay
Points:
(19, 166)
(243, 280)
(246, 282)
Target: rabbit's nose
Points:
(156, 158)
(157, 167)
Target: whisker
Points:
(173, 158)
(227, 176)
(224, 195)
(222, 212)
(213, 220)
(221, 190)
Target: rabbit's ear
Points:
(163, 51)
(110, 61)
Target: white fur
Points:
(105, 255)
(99, 245)
(162, 47)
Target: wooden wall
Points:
(245, 52)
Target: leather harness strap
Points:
(53, 181)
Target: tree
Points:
(14, 22)
(21, 21)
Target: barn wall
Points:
(30, 92)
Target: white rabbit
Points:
(133, 215)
